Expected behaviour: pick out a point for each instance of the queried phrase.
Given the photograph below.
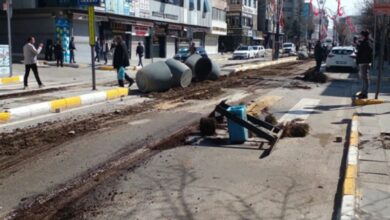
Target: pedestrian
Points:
(363, 59)
(97, 50)
(72, 48)
(318, 55)
(105, 52)
(222, 48)
(121, 61)
(59, 53)
(140, 52)
(192, 48)
(49, 50)
(30, 54)
(310, 47)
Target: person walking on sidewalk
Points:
(72, 48)
(120, 61)
(59, 53)
(140, 52)
(318, 55)
(30, 54)
(97, 50)
(105, 51)
(222, 48)
(363, 59)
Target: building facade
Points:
(266, 22)
(218, 27)
(241, 19)
(161, 25)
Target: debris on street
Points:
(313, 76)
(295, 128)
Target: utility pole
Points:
(9, 15)
(277, 44)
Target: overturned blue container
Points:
(237, 133)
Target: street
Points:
(141, 157)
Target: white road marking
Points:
(301, 110)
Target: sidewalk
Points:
(374, 157)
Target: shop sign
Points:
(164, 15)
(141, 31)
(235, 32)
(174, 27)
(89, 2)
(160, 30)
(382, 7)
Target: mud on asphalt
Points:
(23, 143)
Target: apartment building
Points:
(241, 19)
(218, 28)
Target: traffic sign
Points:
(89, 2)
(91, 25)
(382, 7)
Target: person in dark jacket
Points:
(363, 59)
(140, 52)
(318, 55)
(49, 50)
(59, 53)
(97, 50)
(121, 61)
(72, 48)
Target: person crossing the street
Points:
(30, 54)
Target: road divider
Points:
(11, 80)
(245, 67)
(349, 186)
(59, 105)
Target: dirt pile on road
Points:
(313, 76)
(296, 128)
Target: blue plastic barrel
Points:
(237, 133)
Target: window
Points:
(218, 15)
(233, 21)
(192, 5)
(198, 4)
(173, 2)
(237, 2)
(247, 22)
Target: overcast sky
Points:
(351, 7)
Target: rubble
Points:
(295, 128)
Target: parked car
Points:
(289, 48)
(342, 57)
(259, 51)
(184, 52)
(244, 52)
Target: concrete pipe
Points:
(155, 77)
(215, 71)
(181, 74)
(200, 66)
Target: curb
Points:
(10, 80)
(59, 105)
(368, 101)
(349, 187)
(261, 65)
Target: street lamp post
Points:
(9, 15)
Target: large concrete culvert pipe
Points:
(155, 77)
(181, 74)
(215, 71)
(200, 66)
